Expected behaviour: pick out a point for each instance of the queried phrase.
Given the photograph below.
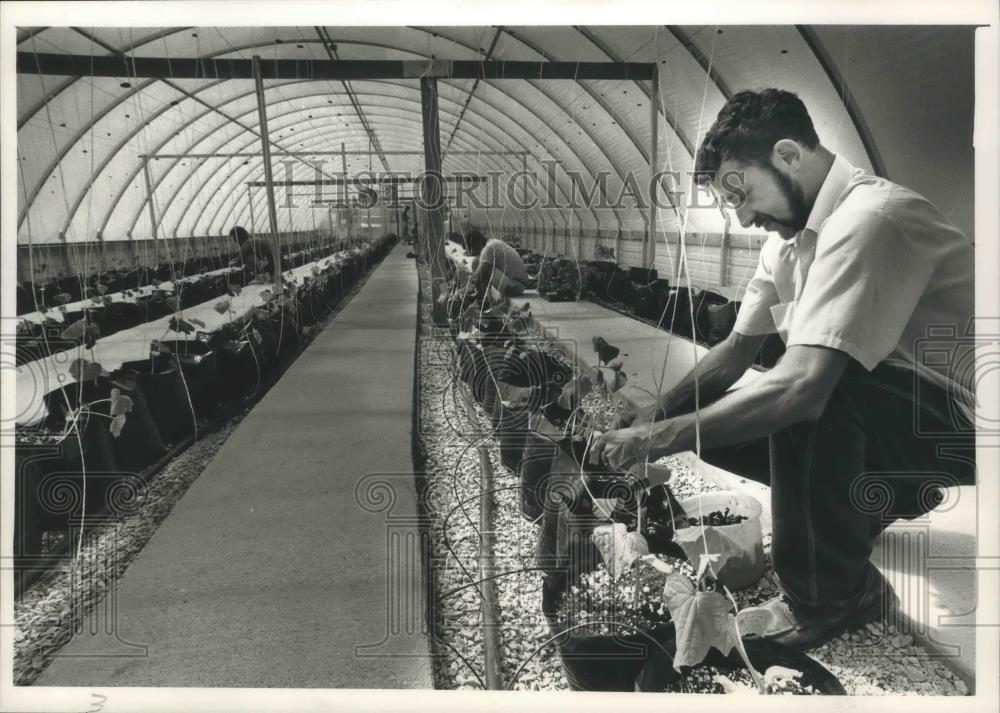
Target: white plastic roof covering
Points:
(80, 139)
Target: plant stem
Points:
(739, 645)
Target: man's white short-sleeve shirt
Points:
(875, 268)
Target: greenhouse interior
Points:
(517, 358)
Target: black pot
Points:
(661, 512)
(266, 347)
(80, 469)
(763, 654)
(162, 385)
(33, 349)
(642, 275)
(123, 315)
(199, 365)
(537, 457)
(601, 482)
(152, 307)
(240, 371)
(139, 444)
(512, 424)
(564, 548)
(31, 519)
(641, 657)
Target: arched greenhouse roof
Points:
(884, 97)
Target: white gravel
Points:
(872, 660)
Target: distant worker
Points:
(497, 265)
(256, 256)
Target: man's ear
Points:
(787, 155)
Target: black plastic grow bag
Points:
(53, 488)
(512, 429)
(239, 367)
(537, 456)
(640, 657)
(139, 444)
(163, 387)
(199, 365)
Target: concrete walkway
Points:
(271, 571)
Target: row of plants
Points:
(105, 313)
(642, 293)
(638, 584)
(44, 292)
(84, 462)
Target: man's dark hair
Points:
(747, 128)
(474, 242)
(240, 234)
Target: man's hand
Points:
(634, 415)
(624, 447)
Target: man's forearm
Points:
(767, 405)
(714, 372)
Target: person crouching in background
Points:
(256, 257)
(497, 265)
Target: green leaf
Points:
(704, 561)
(716, 541)
(616, 364)
(83, 370)
(181, 325)
(677, 589)
(121, 404)
(657, 564)
(117, 424)
(702, 620)
(76, 330)
(619, 547)
(652, 474)
(753, 621)
(575, 391)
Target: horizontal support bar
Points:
(384, 180)
(124, 67)
(327, 153)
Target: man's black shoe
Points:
(802, 627)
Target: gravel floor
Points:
(872, 660)
(53, 606)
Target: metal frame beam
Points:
(564, 191)
(841, 88)
(373, 141)
(376, 180)
(484, 137)
(468, 98)
(257, 154)
(265, 144)
(180, 157)
(73, 65)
